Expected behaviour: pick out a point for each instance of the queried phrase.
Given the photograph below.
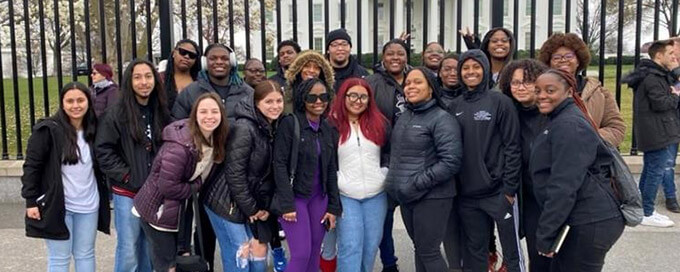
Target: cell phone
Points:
(327, 224)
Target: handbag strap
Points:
(197, 219)
(294, 150)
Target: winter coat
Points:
(279, 77)
(385, 90)
(159, 201)
(531, 123)
(185, 100)
(655, 108)
(602, 108)
(360, 171)
(104, 97)
(285, 193)
(448, 96)
(353, 69)
(124, 161)
(570, 172)
(42, 178)
(426, 154)
(490, 129)
(293, 77)
(245, 183)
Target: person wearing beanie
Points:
(104, 91)
(489, 178)
(287, 52)
(338, 53)
(386, 82)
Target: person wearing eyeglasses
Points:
(309, 201)
(254, 72)
(339, 54)
(182, 69)
(568, 52)
(104, 91)
(362, 166)
(433, 54)
(498, 45)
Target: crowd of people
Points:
(323, 152)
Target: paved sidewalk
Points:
(640, 249)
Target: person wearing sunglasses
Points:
(104, 91)
(182, 69)
(254, 72)
(308, 64)
(362, 167)
(307, 202)
(568, 52)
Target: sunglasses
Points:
(187, 53)
(312, 98)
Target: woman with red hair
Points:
(361, 174)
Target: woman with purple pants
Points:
(308, 203)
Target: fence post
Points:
(497, 13)
(165, 22)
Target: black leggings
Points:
(586, 246)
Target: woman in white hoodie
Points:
(361, 154)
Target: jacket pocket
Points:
(671, 126)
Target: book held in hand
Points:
(560, 239)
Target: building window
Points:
(318, 16)
(527, 40)
(506, 7)
(270, 52)
(557, 7)
(290, 13)
(269, 16)
(381, 11)
(528, 8)
(318, 44)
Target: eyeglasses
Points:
(567, 56)
(517, 83)
(339, 44)
(354, 97)
(187, 53)
(312, 98)
(256, 71)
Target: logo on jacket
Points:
(482, 116)
(545, 132)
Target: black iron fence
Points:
(69, 35)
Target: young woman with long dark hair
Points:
(66, 196)
(361, 174)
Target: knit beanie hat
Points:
(104, 70)
(338, 34)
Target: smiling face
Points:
(522, 90)
(271, 106)
(394, 59)
(318, 93)
(499, 45)
(550, 92)
(74, 104)
(142, 82)
(448, 73)
(564, 59)
(254, 73)
(310, 70)
(433, 55)
(218, 63)
(472, 73)
(416, 87)
(356, 100)
(208, 116)
(338, 51)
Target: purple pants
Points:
(304, 236)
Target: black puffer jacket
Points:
(42, 178)
(570, 170)
(284, 196)
(449, 95)
(185, 100)
(353, 69)
(426, 154)
(386, 90)
(246, 181)
(655, 108)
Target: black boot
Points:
(672, 205)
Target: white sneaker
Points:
(660, 215)
(656, 221)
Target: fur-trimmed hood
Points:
(293, 72)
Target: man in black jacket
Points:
(338, 52)
(287, 52)
(219, 77)
(657, 128)
(489, 179)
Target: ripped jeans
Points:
(658, 168)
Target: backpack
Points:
(625, 189)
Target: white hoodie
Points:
(359, 174)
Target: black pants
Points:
(478, 218)
(586, 246)
(208, 241)
(387, 256)
(530, 214)
(454, 239)
(163, 247)
(424, 224)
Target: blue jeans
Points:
(658, 168)
(231, 236)
(668, 178)
(359, 232)
(132, 250)
(82, 228)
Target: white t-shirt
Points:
(80, 184)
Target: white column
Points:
(399, 17)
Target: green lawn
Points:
(609, 82)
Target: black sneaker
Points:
(672, 205)
(393, 268)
